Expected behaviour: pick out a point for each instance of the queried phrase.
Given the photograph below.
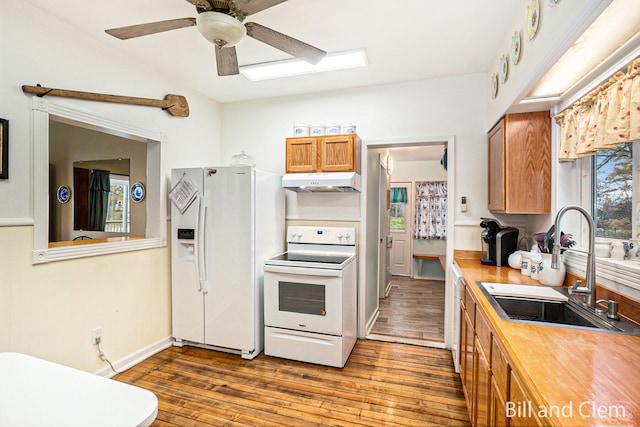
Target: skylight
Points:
(293, 67)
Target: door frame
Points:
(364, 324)
(384, 279)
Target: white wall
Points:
(438, 107)
(49, 310)
(419, 170)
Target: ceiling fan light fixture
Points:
(220, 29)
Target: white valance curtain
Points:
(605, 118)
(431, 210)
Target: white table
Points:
(38, 393)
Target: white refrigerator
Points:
(225, 221)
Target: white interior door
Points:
(401, 218)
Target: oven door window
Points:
(305, 298)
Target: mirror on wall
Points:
(98, 169)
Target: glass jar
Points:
(242, 159)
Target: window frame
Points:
(635, 197)
(155, 236)
(612, 273)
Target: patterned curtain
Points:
(431, 210)
(605, 118)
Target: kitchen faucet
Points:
(589, 290)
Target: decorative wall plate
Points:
(533, 19)
(494, 85)
(137, 192)
(515, 48)
(63, 194)
(504, 69)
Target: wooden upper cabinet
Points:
(336, 153)
(496, 168)
(520, 164)
(302, 155)
(339, 153)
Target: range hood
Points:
(323, 182)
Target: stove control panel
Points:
(322, 235)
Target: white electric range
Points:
(310, 296)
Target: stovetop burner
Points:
(317, 247)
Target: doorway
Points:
(415, 309)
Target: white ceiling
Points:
(405, 40)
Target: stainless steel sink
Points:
(564, 313)
(570, 313)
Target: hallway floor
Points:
(413, 309)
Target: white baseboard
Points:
(134, 358)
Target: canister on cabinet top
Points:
(316, 130)
(332, 129)
(300, 130)
(348, 128)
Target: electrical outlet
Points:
(96, 335)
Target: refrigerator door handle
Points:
(202, 223)
(198, 245)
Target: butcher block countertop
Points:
(584, 377)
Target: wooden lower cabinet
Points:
(501, 373)
(483, 386)
(466, 367)
(497, 406)
(493, 392)
(467, 338)
(522, 410)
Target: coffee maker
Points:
(497, 242)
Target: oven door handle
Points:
(300, 271)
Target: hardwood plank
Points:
(382, 384)
(413, 309)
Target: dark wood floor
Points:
(413, 309)
(383, 384)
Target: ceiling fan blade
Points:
(227, 61)
(285, 43)
(249, 7)
(201, 5)
(124, 33)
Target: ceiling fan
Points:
(220, 22)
